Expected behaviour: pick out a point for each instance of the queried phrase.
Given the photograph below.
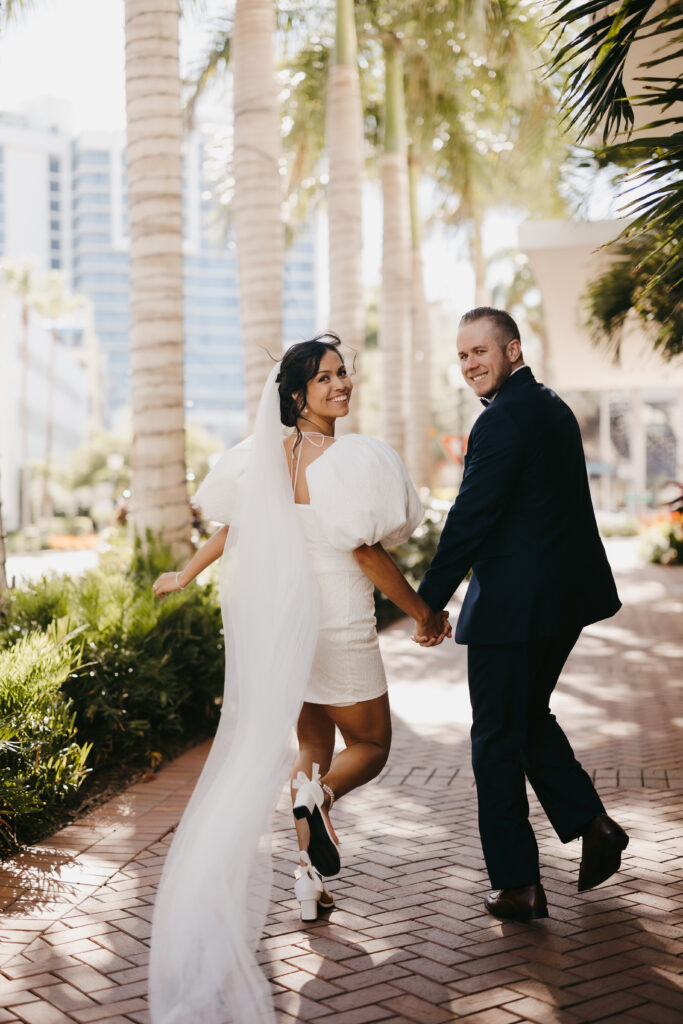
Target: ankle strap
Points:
(329, 792)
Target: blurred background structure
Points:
(251, 173)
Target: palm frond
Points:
(216, 59)
(627, 286)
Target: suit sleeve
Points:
(493, 465)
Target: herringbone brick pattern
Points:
(408, 941)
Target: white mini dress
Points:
(360, 493)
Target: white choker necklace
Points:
(310, 434)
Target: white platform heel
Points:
(323, 850)
(308, 888)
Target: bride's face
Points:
(328, 393)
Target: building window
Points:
(91, 178)
(54, 205)
(55, 263)
(93, 157)
(55, 244)
(54, 165)
(54, 186)
(54, 225)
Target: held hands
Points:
(432, 629)
(167, 583)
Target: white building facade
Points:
(44, 406)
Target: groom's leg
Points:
(563, 787)
(498, 678)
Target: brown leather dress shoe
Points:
(524, 904)
(603, 842)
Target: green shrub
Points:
(147, 680)
(41, 764)
(152, 671)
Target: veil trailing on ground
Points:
(214, 892)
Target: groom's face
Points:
(484, 362)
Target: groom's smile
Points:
(486, 360)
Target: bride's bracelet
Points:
(177, 581)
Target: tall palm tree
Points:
(154, 171)
(257, 210)
(18, 278)
(344, 138)
(419, 397)
(394, 312)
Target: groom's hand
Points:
(432, 629)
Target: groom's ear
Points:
(514, 350)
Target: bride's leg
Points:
(315, 736)
(366, 729)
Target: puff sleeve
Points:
(362, 494)
(218, 492)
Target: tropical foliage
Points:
(41, 763)
(600, 39)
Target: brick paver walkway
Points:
(409, 941)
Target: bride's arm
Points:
(205, 555)
(379, 567)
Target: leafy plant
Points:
(41, 764)
(648, 275)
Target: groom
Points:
(524, 523)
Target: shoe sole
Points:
(610, 867)
(533, 915)
(322, 848)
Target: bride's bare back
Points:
(299, 458)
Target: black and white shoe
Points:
(322, 849)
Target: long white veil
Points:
(214, 892)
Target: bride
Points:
(306, 521)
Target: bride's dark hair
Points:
(299, 365)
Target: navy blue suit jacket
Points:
(523, 521)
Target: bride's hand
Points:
(167, 583)
(432, 630)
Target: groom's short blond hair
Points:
(505, 328)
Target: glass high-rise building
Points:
(76, 200)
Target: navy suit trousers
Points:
(514, 734)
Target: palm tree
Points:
(154, 171)
(605, 42)
(418, 440)
(18, 278)
(257, 213)
(394, 314)
(344, 138)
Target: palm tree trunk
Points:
(418, 440)
(154, 168)
(344, 134)
(257, 213)
(394, 312)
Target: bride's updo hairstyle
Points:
(299, 365)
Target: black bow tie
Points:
(485, 401)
